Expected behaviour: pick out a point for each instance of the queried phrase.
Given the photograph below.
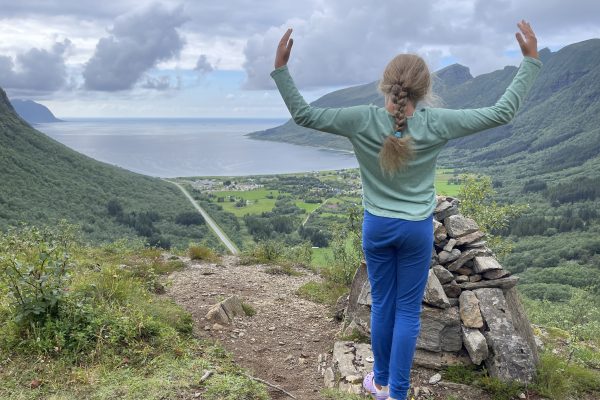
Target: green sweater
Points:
(410, 193)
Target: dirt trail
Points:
(282, 342)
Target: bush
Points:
(203, 253)
(35, 266)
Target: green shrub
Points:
(203, 253)
(558, 379)
(248, 309)
(36, 267)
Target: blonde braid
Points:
(397, 148)
(405, 78)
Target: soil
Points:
(283, 342)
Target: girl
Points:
(397, 147)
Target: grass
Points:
(114, 338)
(257, 201)
(202, 253)
(321, 292)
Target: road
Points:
(211, 223)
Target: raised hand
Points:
(284, 49)
(527, 40)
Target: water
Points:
(191, 147)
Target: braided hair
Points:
(405, 79)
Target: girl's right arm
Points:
(346, 121)
(452, 124)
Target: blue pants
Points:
(398, 254)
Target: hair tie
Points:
(398, 134)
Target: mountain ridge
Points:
(558, 121)
(32, 112)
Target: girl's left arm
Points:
(345, 121)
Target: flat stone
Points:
(496, 274)
(443, 275)
(464, 270)
(479, 243)
(448, 256)
(470, 238)
(467, 256)
(475, 278)
(469, 310)
(434, 292)
(484, 264)
(459, 225)
(440, 329)
(461, 278)
(504, 283)
(475, 344)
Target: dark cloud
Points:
(37, 70)
(203, 66)
(349, 42)
(137, 42)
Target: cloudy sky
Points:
(178, 58)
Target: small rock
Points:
(435, 379)
(434, 292)
(522, 396)
(484, 264)
(450, 245)
(217, 327)
(271, 328)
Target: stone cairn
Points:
(471, 312)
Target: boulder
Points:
(440, 329)
(226, 310)
(511, 357)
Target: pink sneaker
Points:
(369, 386)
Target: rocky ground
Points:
(288, 336)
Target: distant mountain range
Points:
(557, 130)
(33, 112)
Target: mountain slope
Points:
(33, 112)
(42, 180)
(557, 128)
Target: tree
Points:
(476, 202)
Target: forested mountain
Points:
(33, 112)
(42, 181)
(557, 128)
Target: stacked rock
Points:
(471, 313)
